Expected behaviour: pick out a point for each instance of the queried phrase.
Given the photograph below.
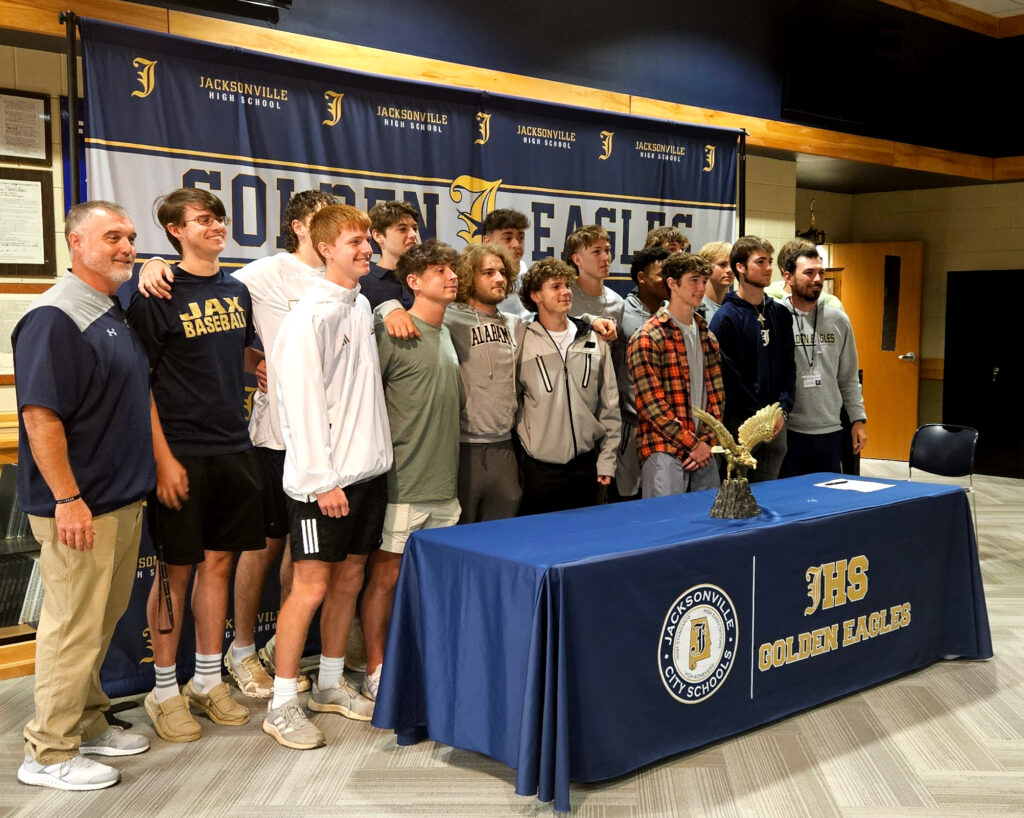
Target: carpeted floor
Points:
(946, 741)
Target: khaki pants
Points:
(84, 595)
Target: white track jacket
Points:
(333, 416)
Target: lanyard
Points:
(814, 335)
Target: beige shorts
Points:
(401, 519)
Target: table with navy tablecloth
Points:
(580, 645)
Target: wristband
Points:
(69, 499)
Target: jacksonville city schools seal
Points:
(698, 643)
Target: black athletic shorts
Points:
(223, 512)
(315, 536)
(275, 507)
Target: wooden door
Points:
(880, 287)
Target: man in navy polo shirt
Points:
(86, 463)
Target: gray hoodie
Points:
(834, 355)
(486, 346)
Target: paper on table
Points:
(854, 485)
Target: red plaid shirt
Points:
(661, 377)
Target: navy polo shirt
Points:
(380, 285)
(75, 355)
(196, 344)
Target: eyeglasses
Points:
(207, 220)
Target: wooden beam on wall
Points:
(1011, 26)
(933, 160)
(1008, 168)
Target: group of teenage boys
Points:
(443, 406)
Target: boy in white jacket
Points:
(338, 451)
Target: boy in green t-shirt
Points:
(421, 388)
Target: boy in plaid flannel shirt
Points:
(675, 364)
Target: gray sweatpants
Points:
(662, 474)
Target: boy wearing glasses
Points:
(208, 504)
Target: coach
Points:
(85, 463)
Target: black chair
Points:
(946, 450)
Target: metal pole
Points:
(741, 203)
(70, 28)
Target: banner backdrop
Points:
(165, 112)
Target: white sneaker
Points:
(371, 683)
(76, 773)
(115, 741)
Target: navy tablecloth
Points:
(584, 644)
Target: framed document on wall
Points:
(25, 128)
(27, 246)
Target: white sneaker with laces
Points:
(76, 773)
(292, 728)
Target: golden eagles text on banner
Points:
(163, 112)
(831, 585)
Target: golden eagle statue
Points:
(758, 428)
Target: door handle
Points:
(910, 356)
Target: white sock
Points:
(285, 690)
(330, 671)
(166, 682)
(239, 652)
(208, 673)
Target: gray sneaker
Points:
(291, 727)
(114, 741)
(77, 773)
(341, 698)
